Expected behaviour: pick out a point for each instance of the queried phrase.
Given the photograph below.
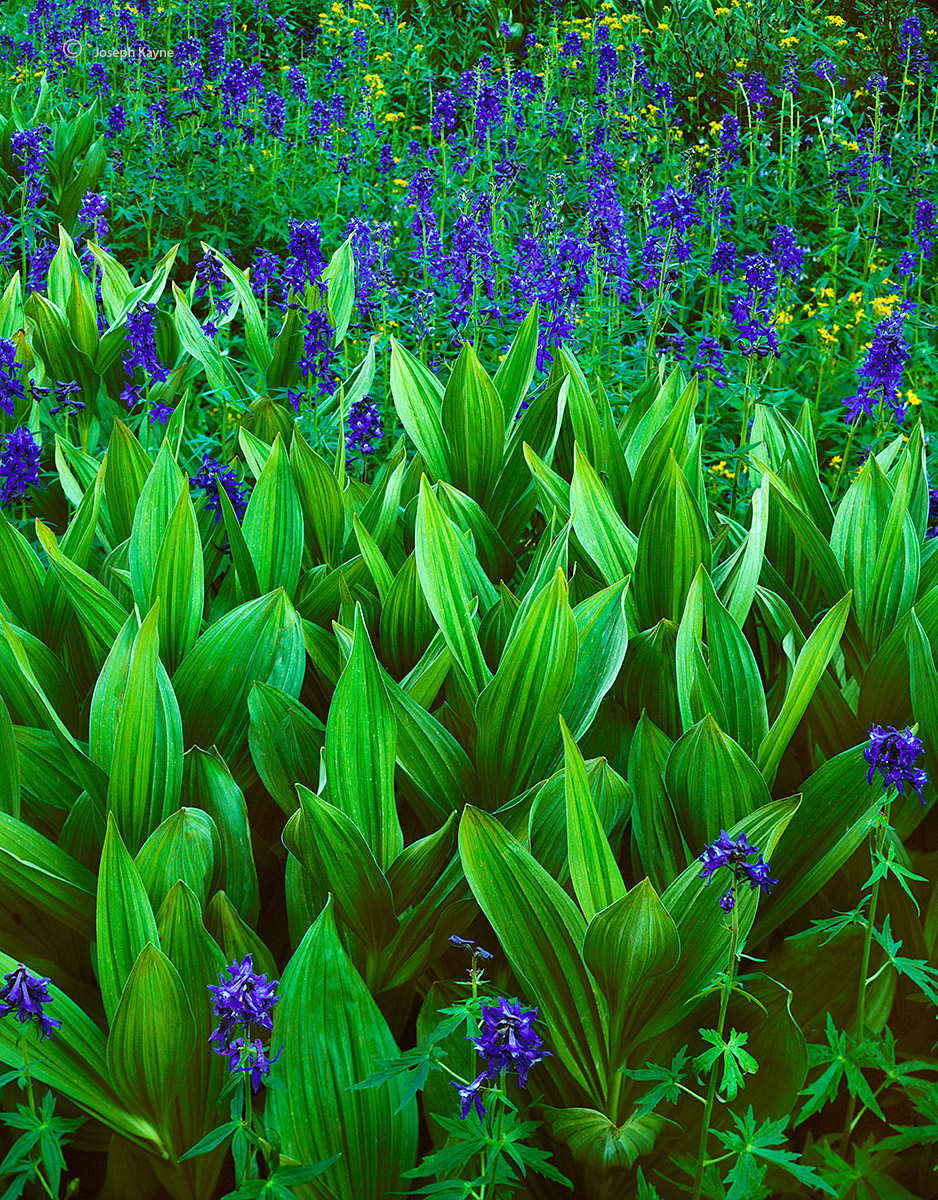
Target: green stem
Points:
(843, 461)
(743, 432)
(32, 1108)
(865, 966)
(712, 1083)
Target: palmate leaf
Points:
(756, 1148)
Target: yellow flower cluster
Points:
(837, 22)
(376, 85)
(883, 306)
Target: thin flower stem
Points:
(712, 1083)
(865, 966)
(32, 1108)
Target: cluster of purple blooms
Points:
(507, 1042)
(243, 1000)
(894, 754)
(11, 389)
(733, 854)
(364, 423)
(25, 994)
(880, 373)
(210, 477)
(19, 464)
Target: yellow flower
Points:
(419, 46)
(789, 41)
(836, 460)
(698, 74)
(402, 183)
(838, 21)
(664, 28)
(722, 12)
(912, 397)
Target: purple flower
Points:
(11, 389)
(116, 120)
(92, 212)
(790, 73)
(728, 901)
(209, 274)
(32, 148)
(827, 70)
(208, 480)
(507, 1040)
(142, 338)
(723, 261)
(265, 266)
(726, 853)
(160, 413)
(788, 254)
(709, 361)
(243, 1000)
(63, 394)
(19, 464)
(905, 266)
(729, 139)
(25, 994)
(318, 351)
(306, 262)
(924, 225)
(894, 754)
(364, 425)
(881, 371)
(253, 1058)
(469, 1097)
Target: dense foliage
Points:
(434, 531)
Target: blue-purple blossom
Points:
(894, 754)
(733, 854)
(469, 1097)
(25, 994)
(92, 211)
(11, 389)
(507, 1039)
(245, 998)
(142, 338)
(208, 479)
(924, 225)
(364, 423)
(881, 371)
(723, 261)
(19, 464)
(709, 362)
(209, 274)
(253, 1058)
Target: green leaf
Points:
(599, 1143)
(524, 698)
(183, 848)
(320, 500)
(812, 662)
(273, 525)
(21, 579)
(673, 543)
(330, 846)
(340, 297)
(437, 549)
(285, 740)
(541, 931)
(125, 921)
(516, 370)
(332, 1033)
(632, 940)
(208, 784)
(152, 1036)
(473, 420)
(178, 582)
(146, 767)
(45, 875)
(255, 329)
(597, 880)
(361, 734)
(262, 640)
(418, 400)
(598, 527)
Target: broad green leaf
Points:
(124, 918)
(541, 931)
(273, 525)
(418, 399)
(812, 661)
(597, 880)
(21, 579)
(178, 582)
(146, 767)
(473, 420)
(672, 544)
(184, 847)
(125, 472)
(361, 734)
(521, 704)
(262, 640)
(46, 876)
(152, 1038)
(600, 530)
(598, 1143)
(154, 512)
(285, 740)
(437, 550)
(674, 437)
(516, 370)
(332, 1034)
(208, 785)
(628, 942)
(330, 846)
(320, 500)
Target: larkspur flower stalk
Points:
(893, 753)
(732, 855)
(243, 1000)
(24, 996)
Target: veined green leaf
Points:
(273, 525)
(597, 880)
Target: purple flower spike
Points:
(19, 464)
(894, 754)
(25, 994)
(507, 1039)
(726, 853)
(469, 1097)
